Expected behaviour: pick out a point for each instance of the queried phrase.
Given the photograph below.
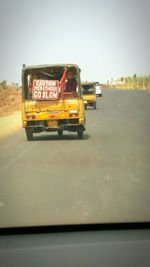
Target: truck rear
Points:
(47, 105)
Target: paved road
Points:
(103, 178)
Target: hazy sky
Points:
(106, 38)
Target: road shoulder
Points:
(10, 123)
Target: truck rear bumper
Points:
(55, 125)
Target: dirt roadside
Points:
(10, 109)
(10, 100)
(9, 124)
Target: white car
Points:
(98, 90)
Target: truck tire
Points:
(80, 134)
(60, 132)
(94, 106)
(29, 134)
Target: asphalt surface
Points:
(103, 178)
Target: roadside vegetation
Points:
(130, 82)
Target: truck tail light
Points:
(30, 117)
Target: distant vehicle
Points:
(98, 90)
(52, 100)
(89, 94)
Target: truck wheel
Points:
(60, 132)
(29, 134)
(80, 134)
(85, 107)
(94, 106)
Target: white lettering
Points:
(55, 95)
(43, 94)
(47, 95)
(45, 89)
(39, 94)
(34, 94)
(51, 83)
(36, 82)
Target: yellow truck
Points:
(52, 100)
(89, 94)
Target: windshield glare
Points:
(74, 112)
